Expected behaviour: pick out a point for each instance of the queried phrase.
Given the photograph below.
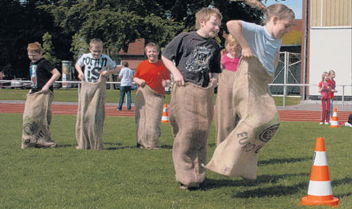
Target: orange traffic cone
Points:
(165, 115)
(319, 189)
(334, 122)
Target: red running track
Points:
(110, 110)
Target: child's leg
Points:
(122, 97)
(323, 111)
(331, 106)
(327, 116)
(191, 110)
(128, 98)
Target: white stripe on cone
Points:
(319, 188)
(320, 159)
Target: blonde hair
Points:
(35, 47)
(95, 41)
(205, 13)
(279, 10)
(324, 75)
(231, 41)
(152, 44)
(331, 72)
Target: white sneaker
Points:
(321, 123)
(348, 124)
(327, 123)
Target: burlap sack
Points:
(190, 114)
(224, 116)
(253, 103)
(91, 115)
(149, 108)
(36, 121)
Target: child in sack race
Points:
(252, 100)
(37, 112)
(91, 104)
(193, 58)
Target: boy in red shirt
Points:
(151, 77)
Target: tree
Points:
(49, 49)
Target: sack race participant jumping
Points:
(224, 116)
(190, 115)
(91, 115)
(149, 108)
(259, 120)
(36, 120)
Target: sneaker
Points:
(46, 144)
(348, 124)
(321, 123)
(327, 123)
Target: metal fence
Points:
(285, 87)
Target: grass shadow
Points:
(217, 183)
(284, 190)
(65, 145)
(282, 161)
(271, 191)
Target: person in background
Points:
(223, 115)
(126, 77)
(325, 89)
(332, 82)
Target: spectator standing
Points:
(126, 77)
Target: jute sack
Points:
(253, 103)
(91, 115)
(36, 120)
(224, 116)
(149, 108)
(190, 115)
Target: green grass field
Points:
(122, 176)
(112, 96)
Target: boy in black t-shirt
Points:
(197, 63)
(37, 112)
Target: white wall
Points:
(331, 48)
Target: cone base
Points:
(307, 201)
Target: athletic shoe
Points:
(348, 124)
(321, 123)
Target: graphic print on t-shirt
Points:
(33, 74)
(199, 59)
(93, 67)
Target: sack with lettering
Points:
(36, 121)
(259, 120)
(91, 115)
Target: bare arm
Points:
(235, 29)
(80, 72)
(109, 72)
(55, 75)
(139, 81)
(178, 78)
